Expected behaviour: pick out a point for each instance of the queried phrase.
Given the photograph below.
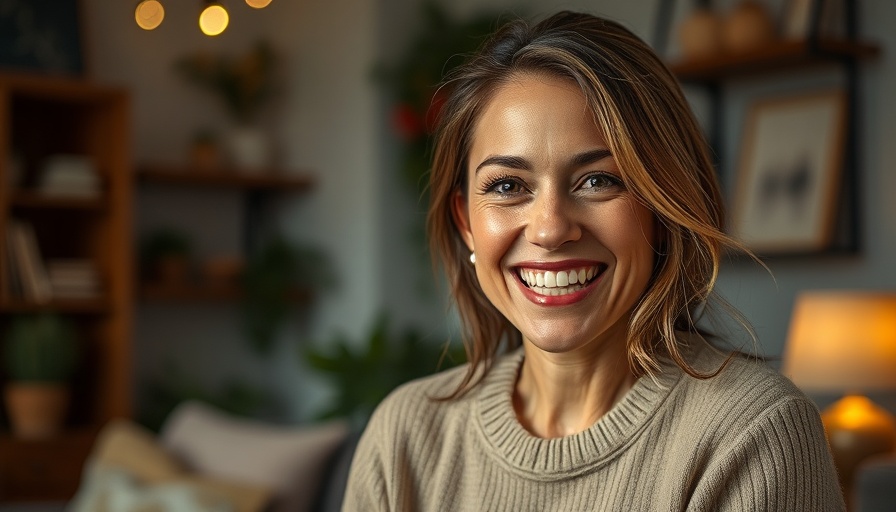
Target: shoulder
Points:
(744, 394)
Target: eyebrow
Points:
(516, 162)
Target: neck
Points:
(557, 395)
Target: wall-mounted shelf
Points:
(256, 186)
(189, 292)
(261, 180)
(774, 58)
(786, 57)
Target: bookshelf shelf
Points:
(36, 200)
(67, 306)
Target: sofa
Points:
(875, 485)
(204, 460)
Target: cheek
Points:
(493, 231)
(633, 237)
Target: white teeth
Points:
(561, 282)
(563, 278)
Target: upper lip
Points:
(557, 265)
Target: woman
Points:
(577, 215)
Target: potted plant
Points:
(165, 256)
(40, 356)
(271, 274)
(244, 85)
(363, 373)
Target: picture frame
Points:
(788, 179)
(41, 36)
(796, 23)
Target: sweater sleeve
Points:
(780, 462)
(365, 489)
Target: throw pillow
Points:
(290, 461)
(128, 471)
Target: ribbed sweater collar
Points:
(552, 459)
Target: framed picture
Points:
(797, 22)
(41, 36)
(788, 177)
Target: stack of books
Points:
(73, 279)
(26, 274)
(69, 176)
(31, 279)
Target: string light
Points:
(149, 14)
(214, 19)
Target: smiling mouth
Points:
(560, 282)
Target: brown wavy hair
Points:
(661, 153)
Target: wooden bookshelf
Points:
(41, 117)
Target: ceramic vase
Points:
(749, 26)
(249, 148)
(700, 34)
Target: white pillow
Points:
(288, 460)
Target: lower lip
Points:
(558, 300)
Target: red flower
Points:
(407, 122)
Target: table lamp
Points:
(844, 342)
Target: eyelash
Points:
(489, 186)
(610, 181)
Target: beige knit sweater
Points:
(746, 440)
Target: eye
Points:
(503, 186)
(600, 181)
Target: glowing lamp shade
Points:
(842, 342)
(258, 4)
(213, 19)
(149, 14)
(845, 343)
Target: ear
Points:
(461, 215)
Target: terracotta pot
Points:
(700, 34)
(749, 26)
(205, 155)
(223, 269)
(36, 410)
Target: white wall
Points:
(333, 121)
(323, 123)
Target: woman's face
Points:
(563, 250)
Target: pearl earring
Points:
(473, 258)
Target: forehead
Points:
(535, 110)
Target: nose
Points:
(551, 221)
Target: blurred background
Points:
(237, 219)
